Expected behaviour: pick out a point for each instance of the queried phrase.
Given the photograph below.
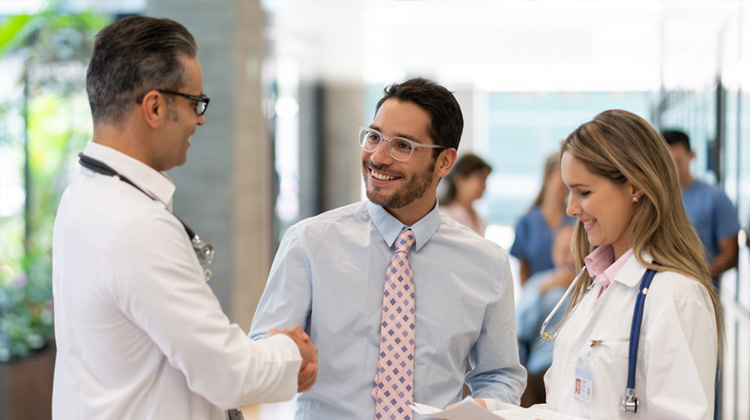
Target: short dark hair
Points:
(674, 137)
(131, 57)
(446, 119)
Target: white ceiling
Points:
(517, 45)
(499, 45)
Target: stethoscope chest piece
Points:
(629, 402)
(203, 250)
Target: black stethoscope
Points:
(629, 402)
(203, 250)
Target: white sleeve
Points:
(158, 284)
(681, 344)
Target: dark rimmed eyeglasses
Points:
(201, 102)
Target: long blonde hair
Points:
(622, 146)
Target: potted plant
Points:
(26, 318)
(27, 354)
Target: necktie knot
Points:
(404, 241)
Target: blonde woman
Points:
(630, 219)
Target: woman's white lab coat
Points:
(676, 367)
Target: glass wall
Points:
(523, 128)
(709, 101)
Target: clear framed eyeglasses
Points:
(399, 148)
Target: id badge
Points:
(584, 385)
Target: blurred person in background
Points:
(466, 183)
(633, 236)
(539, 295)
(709, 209)
(535, 230)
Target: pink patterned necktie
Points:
(393, 388)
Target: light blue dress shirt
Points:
(328, 276)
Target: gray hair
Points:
(131, 57)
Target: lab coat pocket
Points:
(610, 374)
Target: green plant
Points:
(40, 132)
(26, 319)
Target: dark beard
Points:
(404, 196)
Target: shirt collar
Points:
(156, 183)
(627, 269)
(598, 261)
(389, 227)
(616, 266)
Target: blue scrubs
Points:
(712, 214)
(534, 241)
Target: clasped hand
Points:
(308, 372)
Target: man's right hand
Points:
(308, 372)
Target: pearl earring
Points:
(635, 199)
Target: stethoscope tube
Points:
(204, 251)
(629, 402)
(549, 336)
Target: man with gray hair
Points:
(140, 335)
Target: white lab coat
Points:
(140, 335)
(676, 367)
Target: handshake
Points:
(308, 372)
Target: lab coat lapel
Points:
(630, 276)
(587, 312)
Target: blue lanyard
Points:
(629, 403)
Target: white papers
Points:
(533, 413)
(468, 409)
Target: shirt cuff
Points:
(284, 359)
(285, 344)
